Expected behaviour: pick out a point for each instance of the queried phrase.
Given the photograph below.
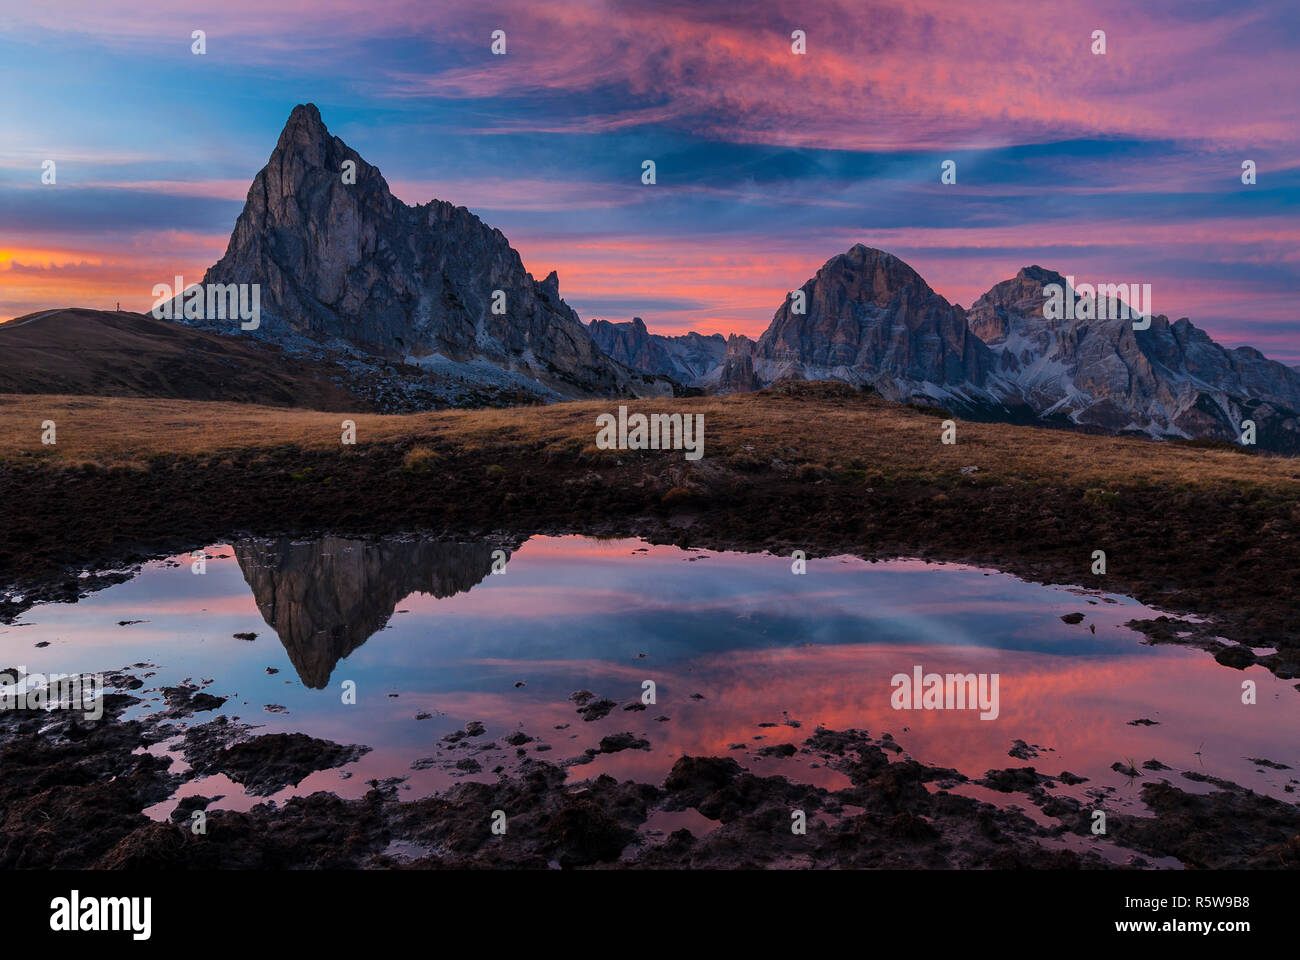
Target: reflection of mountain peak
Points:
(326, 597)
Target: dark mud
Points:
(264, 764)
(72, 795)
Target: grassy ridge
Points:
(830, 433)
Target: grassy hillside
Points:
(119, 354)
(824, 432)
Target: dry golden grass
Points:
(881, 440)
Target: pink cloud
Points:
(40, 272)
(877, 75)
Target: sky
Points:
(1117, 167)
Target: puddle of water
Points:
(738, 648)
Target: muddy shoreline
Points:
(72, 796)
(1224, 555)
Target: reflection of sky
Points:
(1122, 168)
(757, 642)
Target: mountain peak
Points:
(304, 125)
(306, 145)
(868, 317)
(1039, 274)
(867, 257)
(339, 260)
(879, 273)
(305, 113)
(872, 253)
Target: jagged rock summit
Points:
(870, 319)
(347, 262)
(1170, 379)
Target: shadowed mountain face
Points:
(869, 318)
(736, 372)
(347, 261)
(324, 598)
(111, 353)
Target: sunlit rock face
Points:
(1168, 380)
(324, 598)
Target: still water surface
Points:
(739, 648)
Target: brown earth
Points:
(1210, 531)
(119, 354)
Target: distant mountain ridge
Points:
(1168, 380)
(687, 358)
(869, 319)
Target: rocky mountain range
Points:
(869, 319)
(688, 358)
(1168, 380)
(413, 307)
(427, 293)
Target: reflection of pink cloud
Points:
(1077, 706)
(241, 604)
